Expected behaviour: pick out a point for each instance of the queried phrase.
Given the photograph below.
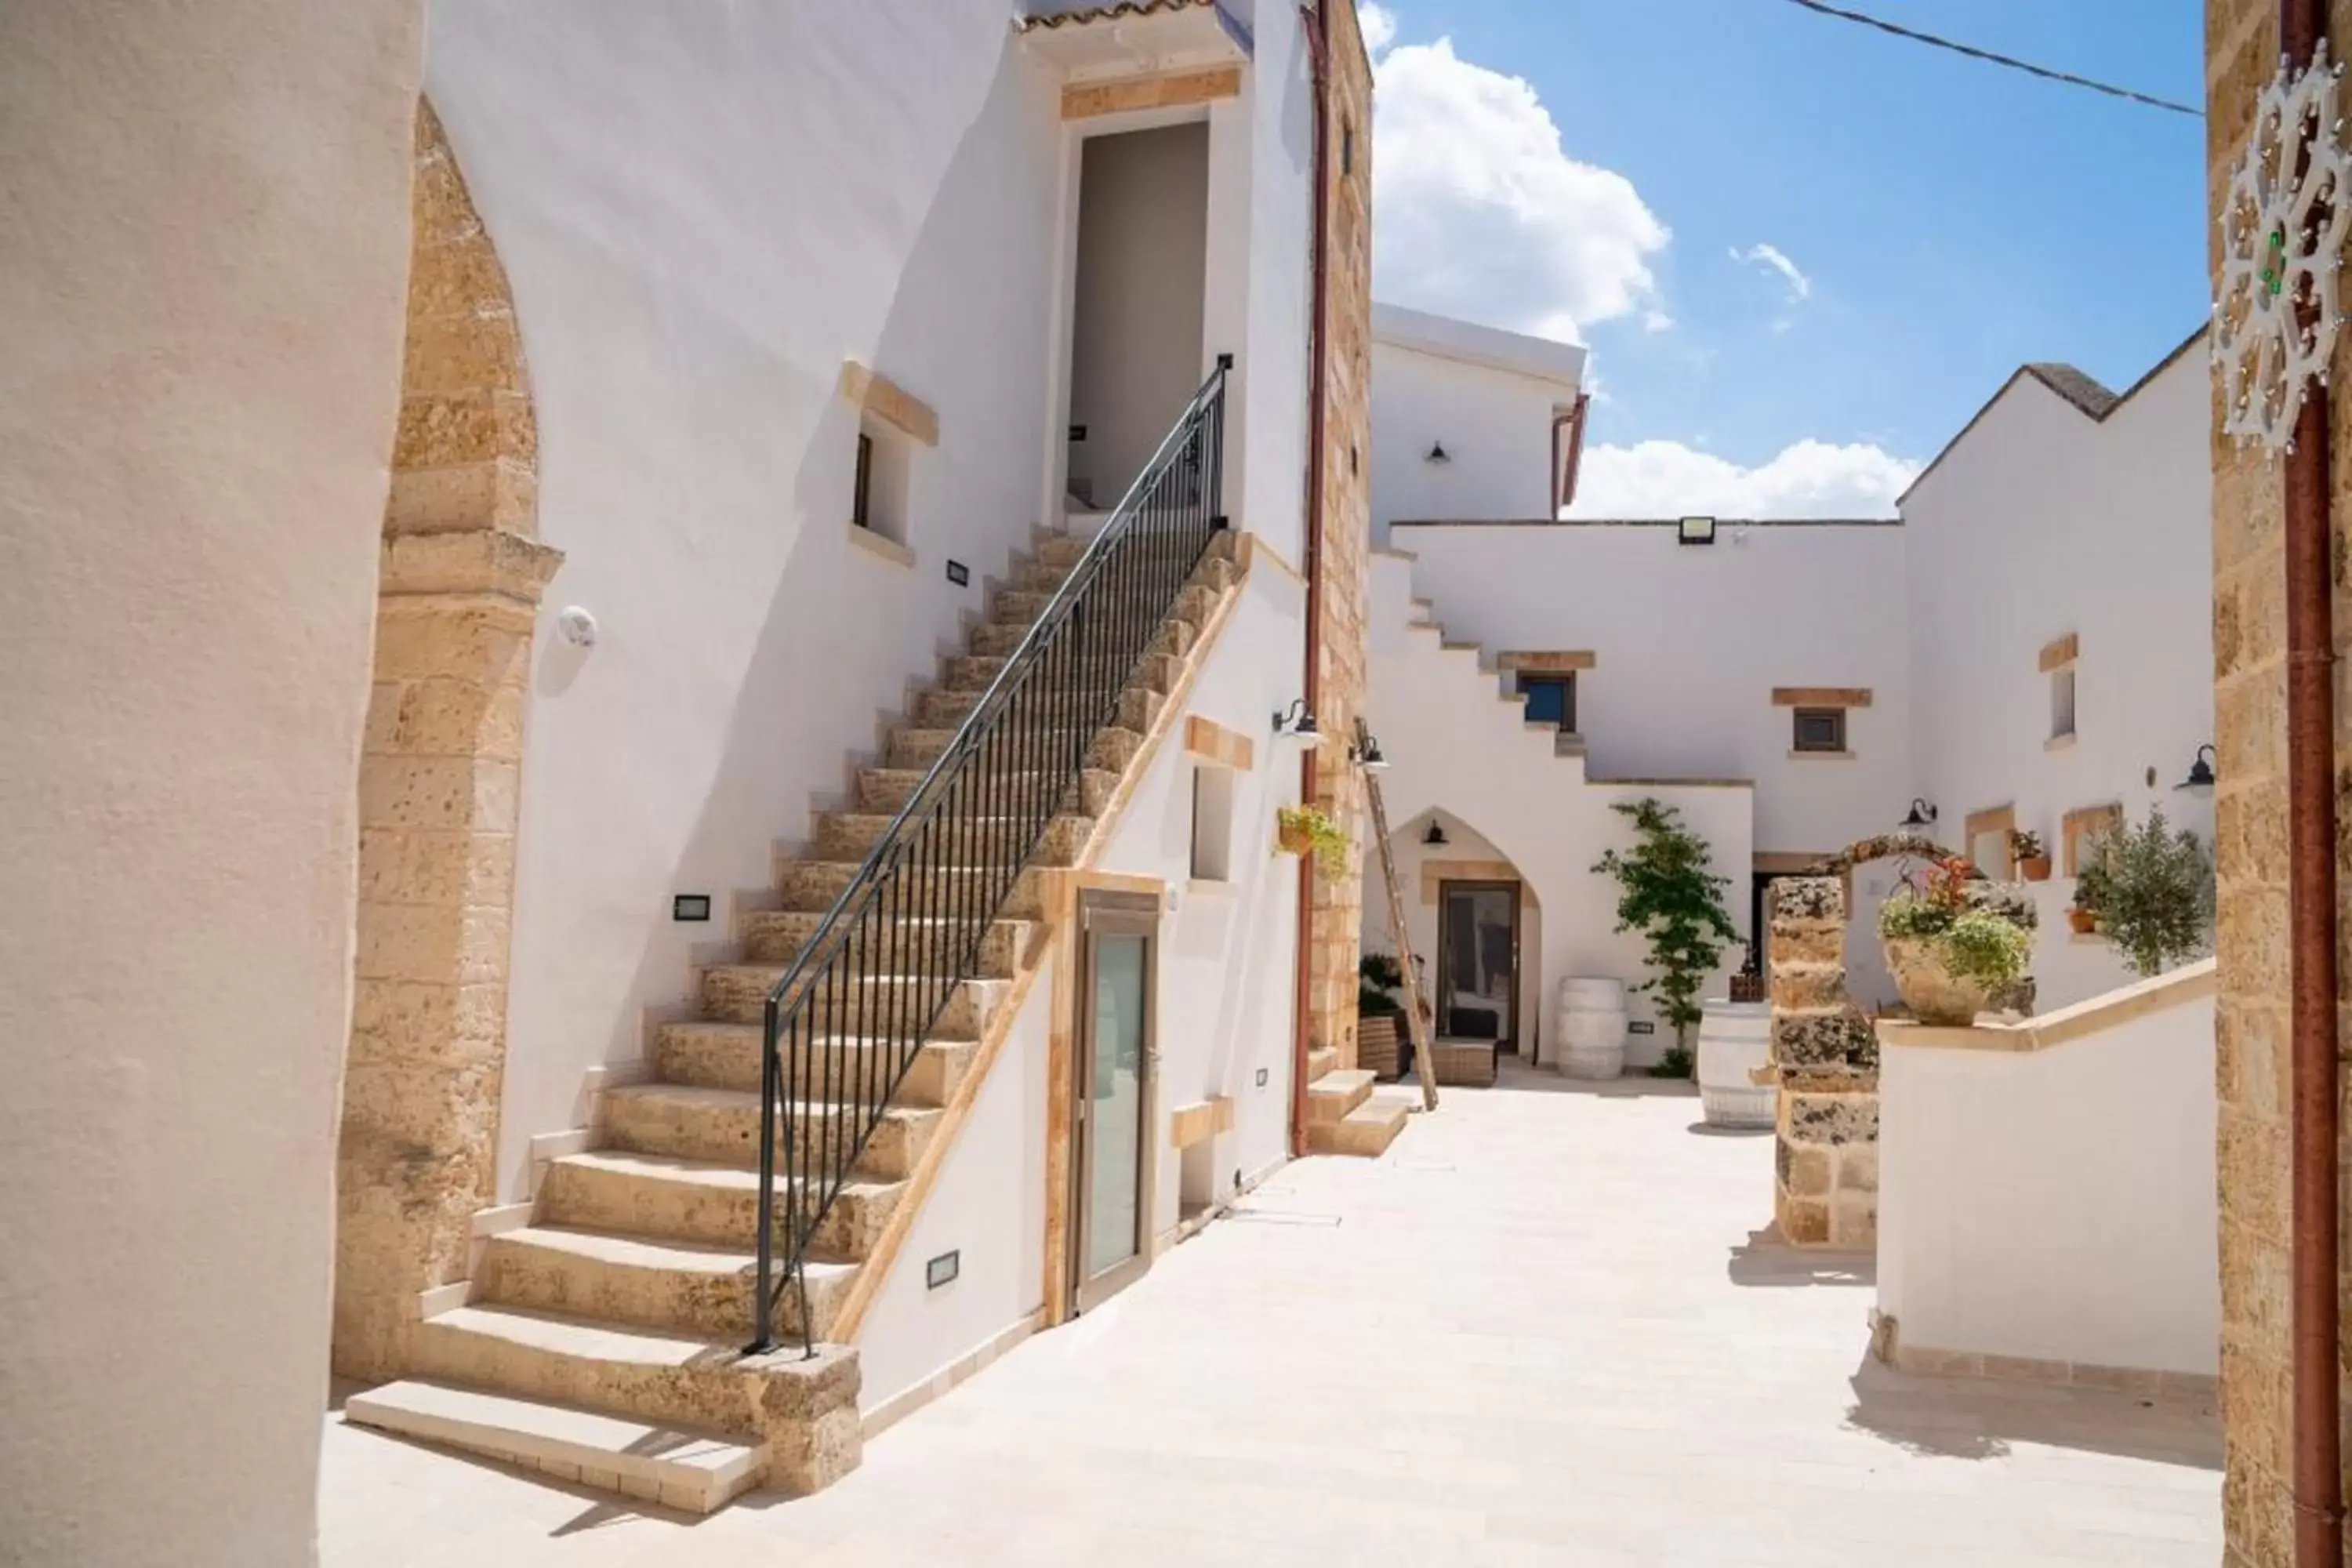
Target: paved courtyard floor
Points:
(1539, 1332)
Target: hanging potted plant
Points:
(1308, 830)
(2033, 859)
(1953, 945)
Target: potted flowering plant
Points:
(1307, 830)
(1950, 946)
(2033, 859)
(2090, 891)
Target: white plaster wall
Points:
(988, 1205)
(2038, 523)
(1142, 260)
(1227, 952)
(1689, 642)
(1495, 427)
(1271, 397)
(1453, 745)
(206, 256)
(2056, 1204)
(703, 213)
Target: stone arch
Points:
(1478, 857)
(439, 783)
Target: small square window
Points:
(879, 482)
(861, 496)
(1347, 147)
(1550, 700)
(1213, 823)
(1820, 729)
(2061, 702)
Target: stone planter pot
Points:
(1735, 1039)
(1591, 1028)
(1933, 993)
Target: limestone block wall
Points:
(1825, 1054)
(439, 782)
(2252, 1067)
(1344, 541)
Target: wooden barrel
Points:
(1591, 1027)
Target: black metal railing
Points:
(843, 1025)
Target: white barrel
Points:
(1591, 1027)
(1735, 1039)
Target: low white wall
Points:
(989, 1206)
(207, 262)
(1495, 424)
(2056, 1204)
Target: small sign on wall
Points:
(690, 907)
(1641, 1026)
(958, 574)
(942, 1270)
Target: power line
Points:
(1987, 55)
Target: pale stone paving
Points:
(1536, 1332)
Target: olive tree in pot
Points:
(1955, 945)
(2152, 887)
(1667, 891)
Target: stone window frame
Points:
(2001, 819)
(2057, 664)
(1810, 702)
(2080, 825)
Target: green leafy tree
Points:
(2152, 887)
(1667, 891)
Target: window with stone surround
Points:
(1819, 729)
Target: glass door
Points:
(1111, 1228)
(1478, 962)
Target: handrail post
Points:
(764, 1311)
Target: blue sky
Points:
(1802, 252)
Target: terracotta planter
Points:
(1293, 838)
(2083, 921)
(1933, 993)
(2036, 869)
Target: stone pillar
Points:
(2251, 1067)
(1344, 544)
(1825, 1056)
(439, 785)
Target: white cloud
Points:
(1811, 478)
(1483, 215)
(1771, 256)
(1657, 321)
(1378, 24)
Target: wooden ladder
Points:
(1424, 1060)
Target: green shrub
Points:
(2152, 888)
(1668, 892)
(1981, 946)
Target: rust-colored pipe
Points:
(1563, 477)
(2312, 976)
(1315, 21)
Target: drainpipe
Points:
(2311, 977)
(1563, 479)
(1317, 25)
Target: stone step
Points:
(915, 746)
(694, 1472)
(777, 936)
(890, 789)
(803, 1409)
(971, 840)
(695, 1200)
(652, 1282)
(814, 885)
(1060, 549)
(1335, 1095)
(857, 1004)
(1321, 1061)
(723, 1126)
(1175, 636)
(1365, 1131)
(711, 1055)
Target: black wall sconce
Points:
(1368, 756)
(2200, 770)
(1298, 724)
(1437, 452)
(1922, 815)
(1435, 837)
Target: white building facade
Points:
(1827, 676)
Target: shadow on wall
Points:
(1764, 1259)
(798, 688)
(1983, 1418)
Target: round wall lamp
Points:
(1921, 815)
(1436, 834)
(2200, 770)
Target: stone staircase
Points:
(602, 1341)
(1342, 1116)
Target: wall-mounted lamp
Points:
(2200, 772)
(1368, 756)
(1435, 836)
(1922, 815)
(1298, 724)
(1695, 530)
(1436, 454)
